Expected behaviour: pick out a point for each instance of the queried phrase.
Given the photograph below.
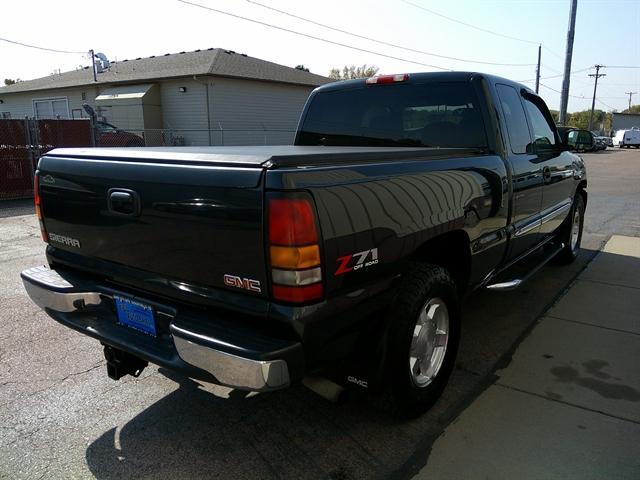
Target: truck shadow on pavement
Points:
(192, 433)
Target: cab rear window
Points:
(428, 114)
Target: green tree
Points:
(302, 67)
(581, 119)
(633, 109)
(351, 72)
(10, 81)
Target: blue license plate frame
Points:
(136, 315)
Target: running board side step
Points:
(517, 282)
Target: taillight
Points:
(294, 250)
(386, 79)
(37, 202)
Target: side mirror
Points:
(564, 147)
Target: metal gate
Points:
(23, 142)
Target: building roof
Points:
(213, 61)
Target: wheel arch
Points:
(582, 190)
(450, 250)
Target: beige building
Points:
(204, 97)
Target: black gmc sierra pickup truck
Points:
(344, 255)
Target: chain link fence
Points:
(16, 166)
(23, 142)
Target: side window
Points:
(515, 118)
(542, 131)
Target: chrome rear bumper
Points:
(59, 297)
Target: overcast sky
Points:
(607, 32)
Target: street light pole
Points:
(564, 97)
(538, 68)
(597, 75)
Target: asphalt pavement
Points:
(62, 417)
(568, 404)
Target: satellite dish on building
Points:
(101, 62)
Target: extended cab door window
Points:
(526, 173)
(515, 119)
(543, 132)
(557, 166)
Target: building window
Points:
(51, 107)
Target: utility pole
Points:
(564, 98)
(597, 75)
(538, 68)
(93, 65)
(631, 94)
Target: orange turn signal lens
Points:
(295, 257)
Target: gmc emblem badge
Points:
(244, 283)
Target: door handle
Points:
(546, 174)
(123, 202)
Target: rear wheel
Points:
(423, 339)
(571, 234)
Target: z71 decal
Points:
(357, 261)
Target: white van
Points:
(627, 138)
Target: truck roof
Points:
(428, 76)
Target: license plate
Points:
(135, 315)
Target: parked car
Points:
(608, 141)
(581, 140)
(108, 135)
(347, 254)
(627, 138)
(600, 143)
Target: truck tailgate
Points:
(191, 222)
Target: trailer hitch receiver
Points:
(120, 363)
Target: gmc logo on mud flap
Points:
(356, 261)
(244, 283)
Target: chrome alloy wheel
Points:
(575, 230)
(429, 342)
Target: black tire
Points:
(423, 283)
(570, 251)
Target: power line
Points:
(558, 91)
(606, 105)
(552, 69)
(41, 48)
(295, 32)
(552, 52)
(381, 42)
(579, 98)
(621, 66)
(555, 76)
(469, 25)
